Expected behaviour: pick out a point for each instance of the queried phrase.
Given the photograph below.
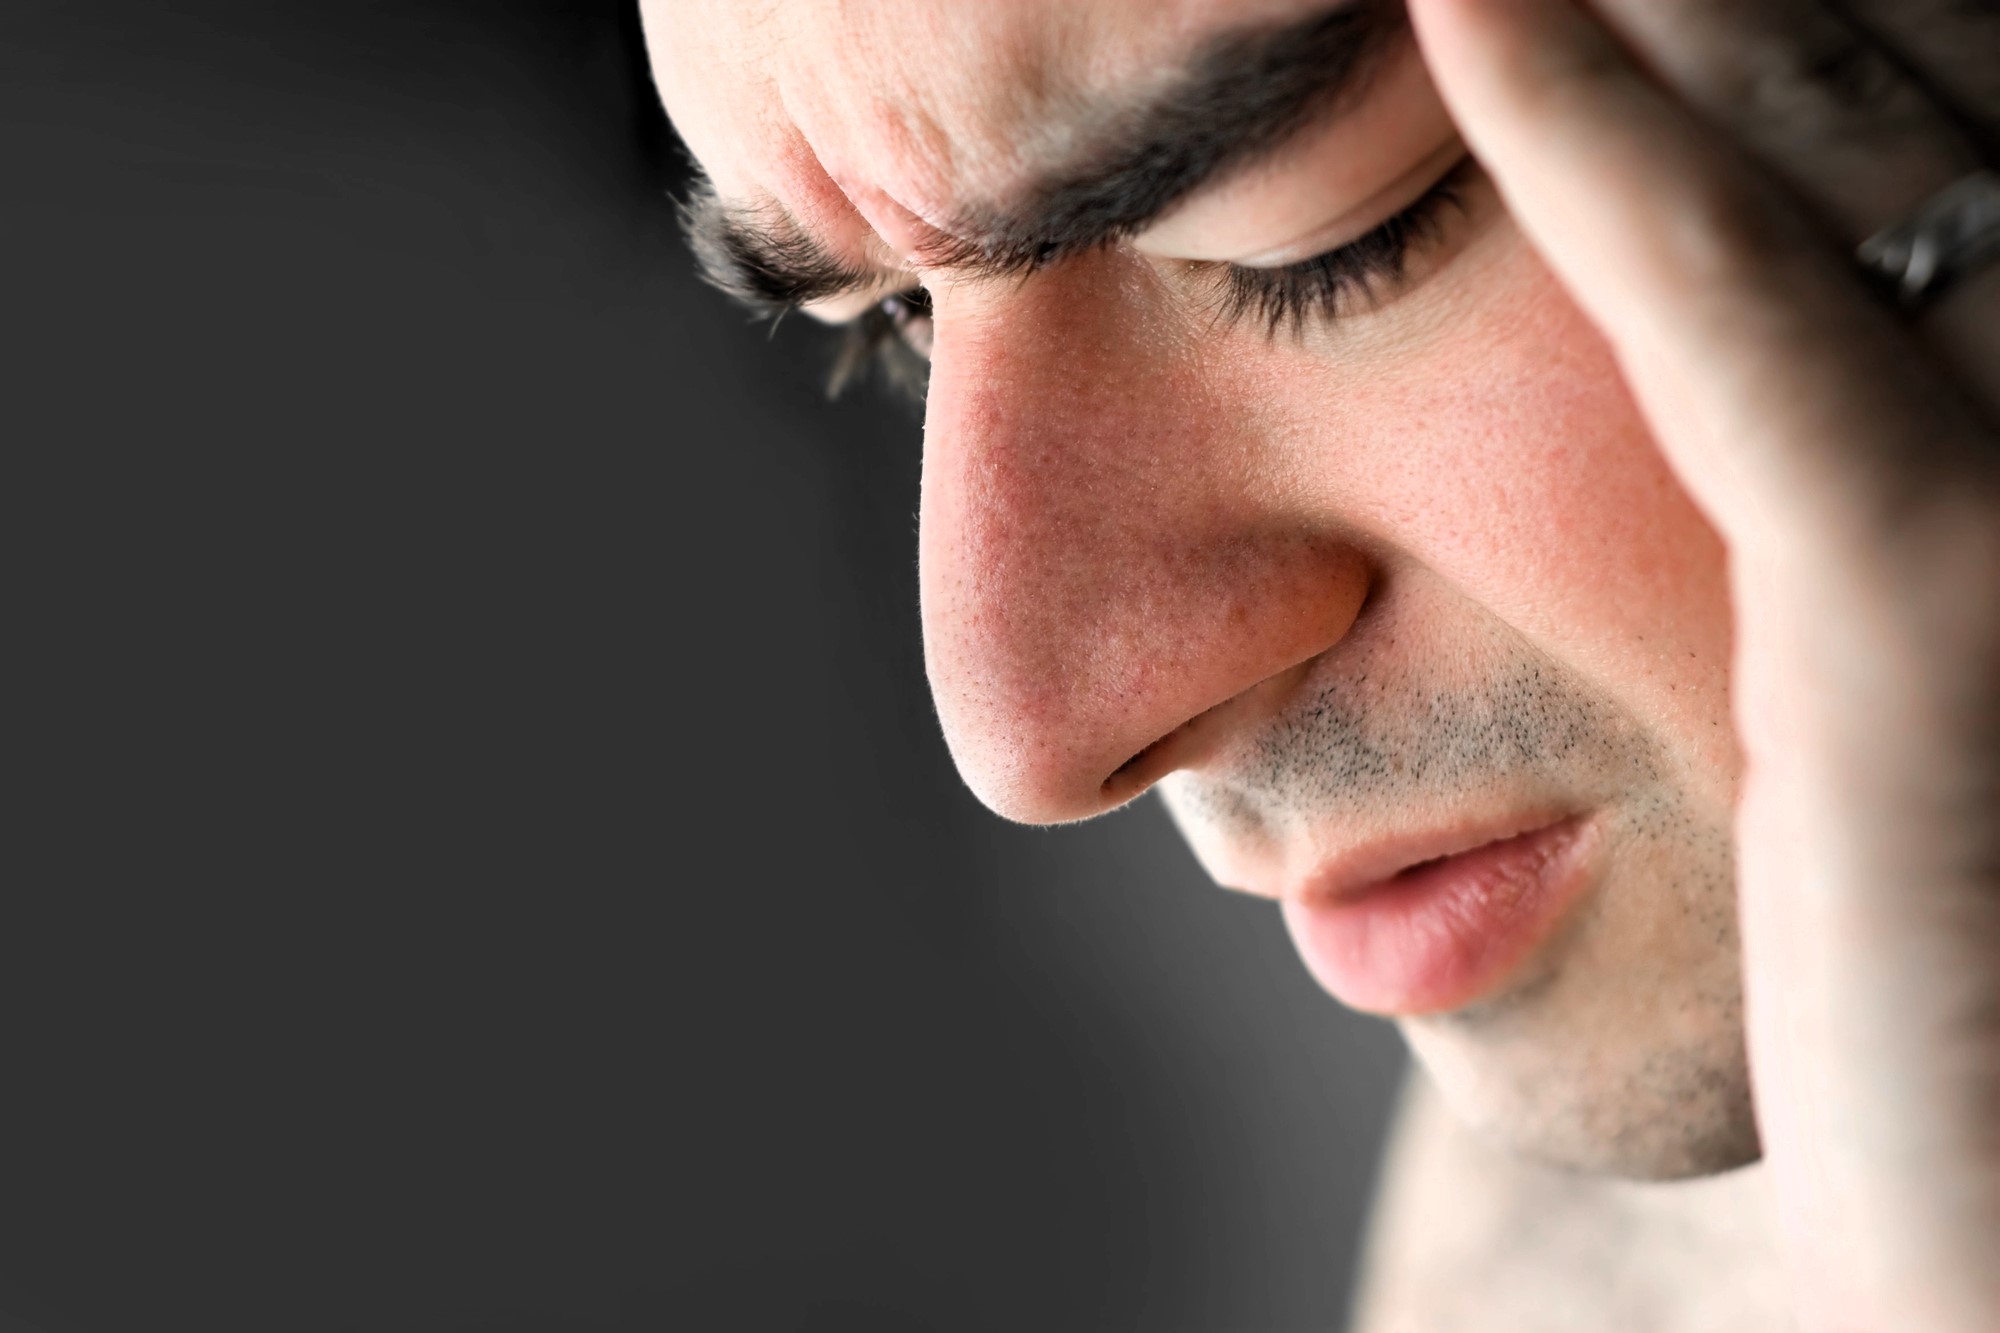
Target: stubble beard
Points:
(1618, 1049)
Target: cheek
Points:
(1506, 460)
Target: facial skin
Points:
(1415, 570)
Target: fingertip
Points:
(1465, 44)
(1437, 24)
(1494, 48)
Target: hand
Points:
(1698, 173)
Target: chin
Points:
(1619, 1050)
(1582, 1130)
(1665, 1103)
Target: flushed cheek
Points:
(1507, 460)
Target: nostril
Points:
(1154, 762)
(1131, 773)
(1135, 774)
(1188, 744)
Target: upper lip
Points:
(1356, 870)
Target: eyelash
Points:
(1319, 288)
(1324, 286)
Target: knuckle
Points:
(1813, 82)
(1952, 45)
(1837, 68)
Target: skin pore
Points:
(1550, 1065)
(1327, 580)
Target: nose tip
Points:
(1108, 569)
(1065, 695)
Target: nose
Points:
(1112, 574)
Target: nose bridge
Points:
(1098, 565)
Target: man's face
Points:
(1363, 562)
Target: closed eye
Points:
(1326, 286)
(893, 339)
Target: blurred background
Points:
(479, 854)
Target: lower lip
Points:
(1441, 935)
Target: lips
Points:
(1405, 931)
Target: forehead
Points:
(912, 105)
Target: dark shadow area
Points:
(480, 857)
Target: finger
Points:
(1794, 407)
(1856, 132)
(1952, 45)
(1810, 95)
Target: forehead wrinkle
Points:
(918, 131)
(808, 193)
(1238, 93)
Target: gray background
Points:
(479, 853)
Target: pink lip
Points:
(1432, 933)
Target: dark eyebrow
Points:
(762, 257)
(1240, 96)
